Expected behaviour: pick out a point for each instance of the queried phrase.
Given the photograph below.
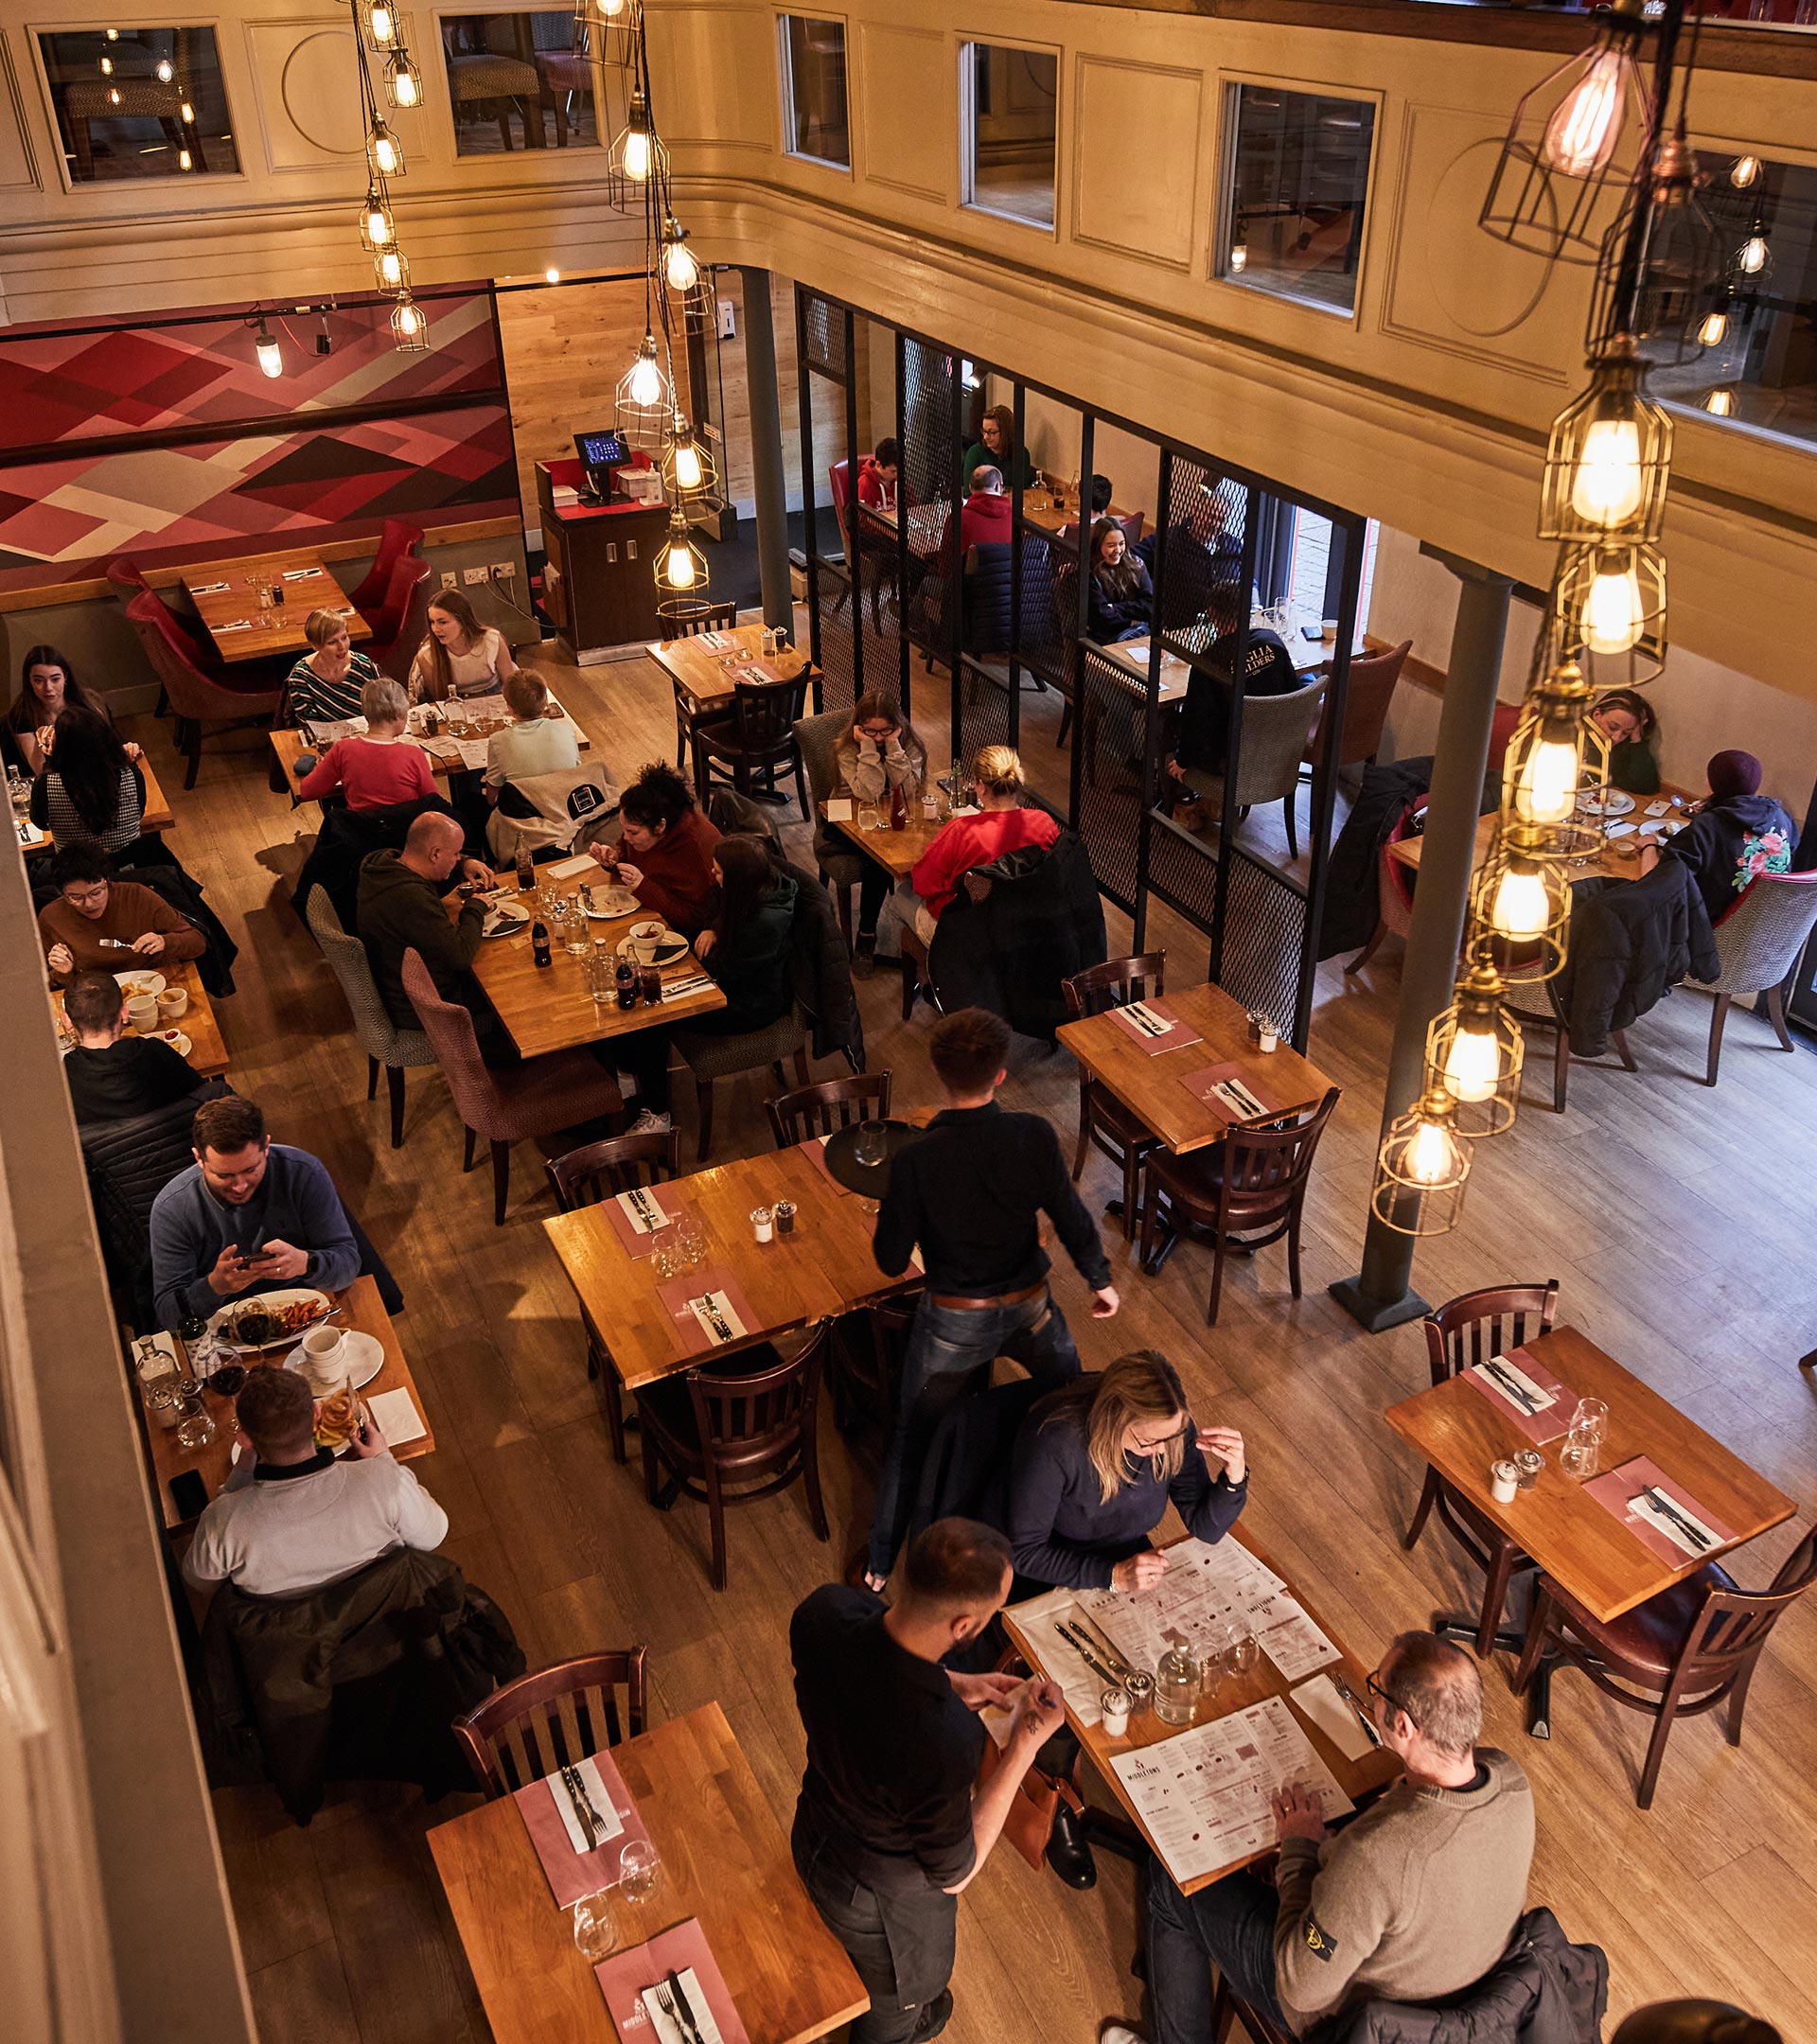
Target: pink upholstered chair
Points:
(1367, 697)
(397, 541)
(402, 623)
(506, 1106)
(195, 697)
(1759, 940)
(1395, 885)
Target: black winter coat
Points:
(1353, 879)
(1041, 923)
(1629, 941)
(821, 962)
(128, 1163)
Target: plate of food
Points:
(504, 918)
(649, 943)
(176, 1039)
(269, 1319)
(140, 985)
(1605, 801)
(603, 904)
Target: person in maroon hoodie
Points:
(878, 477)
(983, 518)
(664, 851)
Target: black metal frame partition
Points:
(1261, 919)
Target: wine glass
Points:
(596, 1932)
(690, 1242)
(871, 1145)
(869, 819)
(665, 1262)
(638, 1869)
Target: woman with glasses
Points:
(878, 752)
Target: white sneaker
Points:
(649, 1123)
(1116, 2032)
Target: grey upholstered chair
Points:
(1275, 732)
(1759, 941)
(381, 1038)
(721, 1057)
(840, 867)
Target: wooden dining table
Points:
(156, 816)
(485, 716)
(1572, 1537)
(207, 1053)
(1149, 1087)
(1616, 858)
(226, 596)
(1035, 1640)
(700, 672)
(361, 1310)
(895, 850)
(823, 1267)
(723, 1861)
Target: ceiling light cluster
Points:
(379, 38)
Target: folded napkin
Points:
(1618, 830)
(694, 983)
(566, 869)
(238, 625)
(718, 1316)
(1319, 1703)
(611, 1824)
(1663, 1522)
(839, 809)
(645, 1210)
(208, 588)
(398, 1420)
(300, 574)
(669, 2028)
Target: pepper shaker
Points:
(785, 1217)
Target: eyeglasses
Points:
(878, 730)
(1393, 1702)
(86, 897)
(1167, 1440)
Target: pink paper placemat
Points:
(1204, 1083)
(624, 1977)
(666, 1197)
(572, 1875)
(1611, 1491)
(690, 1337)
(1551, 1424)
(1177, 1038)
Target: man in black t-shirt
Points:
(110, 1077)
(886, 1829)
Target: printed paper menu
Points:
(1206, 1590)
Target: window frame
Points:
(785, 87)
(1230, 86)
(968, 201)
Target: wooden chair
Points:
(1689, 1649)
(867, 1374)
(1104, 1122)
(553, 1718)
(381, 1038)
(1368, 692)
(756, 739)
(834, 1103)
(1228, 2007)
(837, 857)
(1759, 940)
(878, 553)
(398, 538)
(716, 1431)
(1256, 1178)
(583, 1177)
(1394, 888)
(1534, 1003)
(1468, 1329)
(721, 618)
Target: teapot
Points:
(1180, 1676)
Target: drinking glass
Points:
(638, 1870)
(664, 1262)
(871, 1146)
(867, 816)
(1241, 1649)
(1592, 1417)
(596, 1933)
(1581, 1452)
(194, 1427)
(690, 1242)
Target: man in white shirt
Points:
(292, 1517)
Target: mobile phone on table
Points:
(188, 1494)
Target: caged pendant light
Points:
(1521, 907)
(688, 471)
(1422, 1168)
(1609, 613)
(1475, 1051)
(1609, 457)
(1676, 263)
(408, 327)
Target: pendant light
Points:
(1720, 403)
(1520, 907)
(688, 471)
(1474, 1053)
(1543, 768)
(403, 82)
(382, 25)
(186, 114)
(1661, 263)
(166, 71)
(268, 356)
(1421, 1168)
(1743, 171)
(383, 152)
(1753, 258)
(1239, 247)
(639, 156)
(646, 384)
(1713, 330)
(1609, 604)
(377, 230)
(681, 574)
(408, 327)
(390, 270)
(680, 270)
(1609, 457)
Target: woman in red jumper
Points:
(998, 824)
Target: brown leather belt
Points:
(947, 1303)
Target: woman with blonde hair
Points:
(460, 656)
(998, 824)
(327, 681)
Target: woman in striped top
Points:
(325, 684)
(91, 792)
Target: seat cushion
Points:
(1651, 1636)
(1109, 1113)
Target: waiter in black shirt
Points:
(886, 1829)
(971, 1192)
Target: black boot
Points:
(1067, 1853)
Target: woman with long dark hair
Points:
(878, 752)
(47, 686)
(996, 448)
(1121, 595)
(459, 656)
(664, 849)
(1628, 722)
(92, 791)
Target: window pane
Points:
(1760, 367)
(138, 102)
(517, 81)
(1011, 122)
(1300, 172)
(816, 57)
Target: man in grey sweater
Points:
(1414, 1899)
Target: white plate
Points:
(1608, 801)
(505, 918)
(668, 947)
(140, 982)
(613, 902)
(176, 1039)
(220, 1321)
(365, 1357)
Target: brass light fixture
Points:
(1609, 457)
(1521, 907)
(378, 33)
(408, 327)
(1609, 604)
(1474, 1053)
(1422, 1168)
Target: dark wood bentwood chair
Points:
(722, 617)
(1104, 1122)
(1228, 2007)
(1470, 1329)
(583, 1177)
(1689, 1648)
(756, 739)
(718, 1434)
(554, 1718)
(833, 1103)
(1256, 1178)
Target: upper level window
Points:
(138, 102)
(814, 117)
(1752, 350)
(517, 81)
(1008, 121)
(1299, 176)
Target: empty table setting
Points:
(254, 609)
(707, 666)
(706, 1936)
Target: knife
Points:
(1664, 1507)
(1077, 1642)
(581, 1817)
(1105, 1642)
(1511, 1384)
(1364, 1719)
(682, 2007)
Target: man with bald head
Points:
(1414, 1900)
(401, 910)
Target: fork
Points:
(1350, 1696)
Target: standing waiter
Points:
(886, 1829)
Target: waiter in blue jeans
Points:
(971, 1193)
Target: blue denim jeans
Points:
(945, 1348)
(1229, 1925)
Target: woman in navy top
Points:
(1097, 1465)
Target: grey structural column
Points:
(1380, 1296)
(768, 485)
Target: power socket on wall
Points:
(449, 579)
(473, 576)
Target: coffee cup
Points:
(172, 1002)
(322, 1356)
(142, 1011)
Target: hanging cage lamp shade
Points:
(377, 229)
(682, 596)
(403, 82)
(1566, 153)
(1720, 403)
(637, 155)
(688, 472)
(1473, 1053)
(1521, 907)
(676, 262)
(409, 324)
(381, 24)
(1421, 1168)
(1544, 766)
(1609, 458)
(1659, 286)
(390, 270)
(645, 401)
(609, 30)
(384, 152)
(1609, 613)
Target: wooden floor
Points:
(1677, 1220)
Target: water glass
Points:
(195, 1429)
(690, 1242)
(871, 1145)
(665, 1262)
(638, 1870)
(1590, 1418)
(1582, 1450)
(1241, 1649)
(596, 1932)
(868, 818)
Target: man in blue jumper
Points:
(248, 1216)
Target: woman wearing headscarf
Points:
(1734, 833)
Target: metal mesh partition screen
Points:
(823, 335)
(1108, 728)
(929, 491)
(1200, 597)
(1259, 954)
(824, 476)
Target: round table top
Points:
(873, 1180)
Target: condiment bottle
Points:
(627, 984)
(898, 808)
(539, 943)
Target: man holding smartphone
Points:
(248, 1216)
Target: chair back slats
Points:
(1115, 984)
(600, 1171)
(756, 1426)
(1477, 1324)
(833, 1103)
(767, 712)
(1265, 1171)
(1734, 1624)
(722, 617)
(554, 1718)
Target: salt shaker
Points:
(1504, 1482)
(763, 1224)
(1267, 1036)
(1114, 1704)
